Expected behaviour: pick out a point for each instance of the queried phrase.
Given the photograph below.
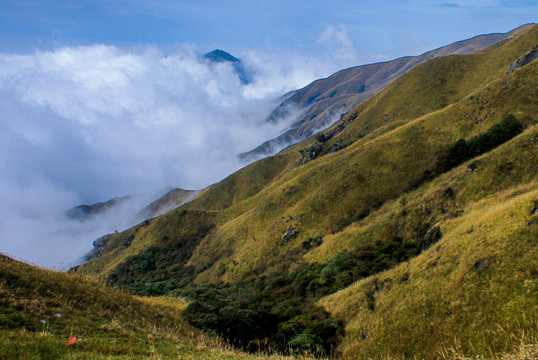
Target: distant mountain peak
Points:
(220, 56)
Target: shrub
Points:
(464, 150)
(312, 242)
(307, 342)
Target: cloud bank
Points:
(85, 124)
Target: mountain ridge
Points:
(324, 100)
(84, 212)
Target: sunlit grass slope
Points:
(371, 199)
(40, 310)
(477, 288)
(427, 110)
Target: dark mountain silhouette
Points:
(220, 56)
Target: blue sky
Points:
(377, 29)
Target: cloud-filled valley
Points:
(85, 124)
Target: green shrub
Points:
(307, 342)
(464, 150)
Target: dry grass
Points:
(475, 288)
(527, 349)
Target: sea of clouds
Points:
(79, 125)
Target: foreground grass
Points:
(40, 310)
(23, 344)
(524, 351)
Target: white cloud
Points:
(85, 124)
(338, 40)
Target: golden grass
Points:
(475, 288)
(526, 349)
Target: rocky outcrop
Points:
(529, 57)
(433, 236)
(310, 153)
(290, 234)
(316, 148)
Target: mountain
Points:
(407, 229)
(83, 212)
(324, 101)
(168, 202)
(221, 56)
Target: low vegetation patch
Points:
(464, 150)
(273, 312)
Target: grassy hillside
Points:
(41, 310)
(346, 209)
(475, 291)
(478, 283)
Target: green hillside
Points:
(407, 229)
(477, 282)
(42, 309)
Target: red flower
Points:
(151, 340)
(71, 341)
